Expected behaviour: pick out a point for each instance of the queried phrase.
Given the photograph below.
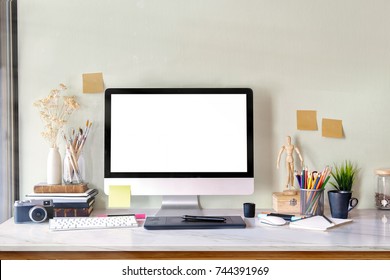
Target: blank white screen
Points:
(178, 133)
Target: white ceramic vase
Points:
(54, 175)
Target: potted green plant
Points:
(340, 200)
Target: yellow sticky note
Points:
(93, 83)
(332, 128)
(119, 197)
(307, 120)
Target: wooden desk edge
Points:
(193, 255)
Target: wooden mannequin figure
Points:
(290, 149)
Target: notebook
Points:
(318, 223)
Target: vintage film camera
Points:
(35, 210)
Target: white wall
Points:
(329, 56)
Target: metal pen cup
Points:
(312, 202)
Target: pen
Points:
(137, 216)
(287, 217)
(298, 218)
(119, 215)
(326, 218)
(204, 218)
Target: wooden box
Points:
(286, 204)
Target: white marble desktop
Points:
(369, 231)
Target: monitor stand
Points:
(178, 205)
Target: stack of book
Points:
(68, 200)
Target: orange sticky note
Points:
(93, 83)
(332, 128)
(307, 120)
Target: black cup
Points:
(249, 210)
(341, 202)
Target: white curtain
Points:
(9, 171)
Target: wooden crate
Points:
(286, 204)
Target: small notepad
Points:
(119, 197)
(318, 223)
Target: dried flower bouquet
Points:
(55, 111)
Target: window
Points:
(9, 170)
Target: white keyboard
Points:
(80, 223)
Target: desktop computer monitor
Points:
(179, 143)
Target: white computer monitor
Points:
(179, 143)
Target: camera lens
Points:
(37, 214)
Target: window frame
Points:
(9, 128)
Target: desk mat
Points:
(161, 223)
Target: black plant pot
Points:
(341, 202)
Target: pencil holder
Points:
(74, 168)
(312, 202)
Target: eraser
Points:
(140, 216)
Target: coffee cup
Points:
(341, 202)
